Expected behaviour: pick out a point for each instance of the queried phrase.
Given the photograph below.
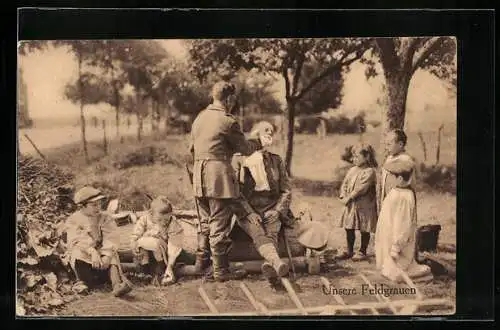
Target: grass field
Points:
(315, 169)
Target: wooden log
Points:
(185, 235)
(357, 307)
(251, 266)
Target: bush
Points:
(439, 177)
(144, 156)
(339, 124)
(343, 125)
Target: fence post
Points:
(424, 147)
(438, 148)
(105, 139)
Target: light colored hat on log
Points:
(88, 194)
(312, 234)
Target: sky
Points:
(46, 74)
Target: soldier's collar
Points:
(216, 107)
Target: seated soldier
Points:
(91, 255)
(265, 203)
(150, 238)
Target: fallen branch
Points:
(35, 147)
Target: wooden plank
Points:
(207, 300)
(379, 297)
(409, 282)
(337, 298)
(293, 295)
(259, 307)
(360, 306)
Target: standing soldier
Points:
(216, 137)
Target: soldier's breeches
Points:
(219, 223)
(256, 233)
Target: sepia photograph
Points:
(237, 177)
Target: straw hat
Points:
(312, 234)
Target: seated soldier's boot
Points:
(221, 271)
(273, 266)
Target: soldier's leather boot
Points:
(202, 262)
(221, 271)
(272, 266)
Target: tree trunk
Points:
(82, 115)
(116, 95)
(153, 117)
(166, 113)
(397, 92)
(104, 138)
(139, 111)
(290, 134)
(158, 115)
(117, 119)
(139, 127)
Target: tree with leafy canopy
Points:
(89, 88)
(400, 59)
(85, 90)
(285, 58)
(109, 56)
(143, 64)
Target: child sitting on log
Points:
(150, 239)
(91, 255)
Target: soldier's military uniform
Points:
(216, 137)
(276, 198)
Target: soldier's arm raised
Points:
(239, 143)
